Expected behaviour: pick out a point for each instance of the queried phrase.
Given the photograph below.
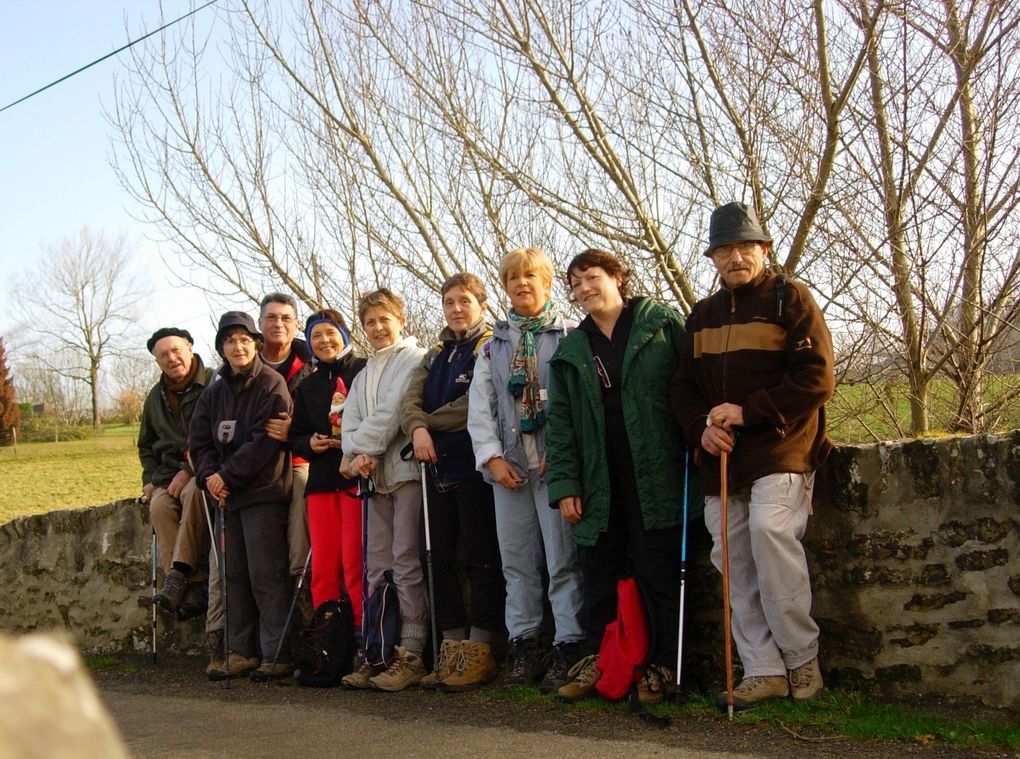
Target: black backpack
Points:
(327, 645)
(382, 623)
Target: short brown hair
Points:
(523, 259)
(469, 282)
(609, 263)
(383, 298)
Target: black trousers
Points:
(466, 515)
(652, 556)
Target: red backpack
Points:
(626, 643)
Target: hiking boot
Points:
(444, 668)
(237, 666)
(169, 597)
(561, 658)
(195, 601)
(214, 643)
(806, 681)
(658, 684)
(756, 690)
(268, 671)
(473, 667)
(405, 670)
(523, 665)
(360, 678)
(583, 676)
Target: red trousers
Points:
(334, 527)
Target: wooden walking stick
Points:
(727, 621)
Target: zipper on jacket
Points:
(726, 346)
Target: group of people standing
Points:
(552, 455)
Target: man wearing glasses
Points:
(753, 379)
(292, 358)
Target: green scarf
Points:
(523, 381)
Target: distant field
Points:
(66, 475)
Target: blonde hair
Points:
(384, 299)
(525, 259)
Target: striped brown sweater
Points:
(779, 370)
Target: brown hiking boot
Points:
(405, 670)
(583, 676)
(169, 597)
(806, 681)
(195, 601)
(214, 644)
(444, 667)
(360, 678)
(473, 667)
(236, 666)
(756, 690)
(268, 671)
(658, 684)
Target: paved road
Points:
(162, 726)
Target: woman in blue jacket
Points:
(461, 509)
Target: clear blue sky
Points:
(55, 173)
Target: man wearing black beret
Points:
(167, 479)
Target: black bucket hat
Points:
(229, 321)
(734, 222)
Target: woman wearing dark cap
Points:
(248, 474)
(334, 511)
(615, 458)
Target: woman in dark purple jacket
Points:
(249, 475)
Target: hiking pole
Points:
(365, 490)
(683, 574)
(428, 565)
(222, 524)
(152, 555)
(723, 508)
(290, 615)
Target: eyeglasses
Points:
(278, 318)
(600, 369)
(240, 340)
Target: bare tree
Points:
(78, 306)
(353, 144)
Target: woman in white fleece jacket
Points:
(372, 442)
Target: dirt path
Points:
(172, 711)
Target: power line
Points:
(108, 55)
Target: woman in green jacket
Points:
(615, 459)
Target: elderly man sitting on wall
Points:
(168, 485)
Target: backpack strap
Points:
(780, 296)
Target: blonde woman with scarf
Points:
(506, 420)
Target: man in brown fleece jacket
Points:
(752, 381)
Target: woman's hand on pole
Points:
(424, 448)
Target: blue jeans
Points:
(527, 528)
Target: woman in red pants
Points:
(334, 510)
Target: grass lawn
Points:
(66, 475)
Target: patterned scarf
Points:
(523, 381)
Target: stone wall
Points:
(913, 549)
(83, 571)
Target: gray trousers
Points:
(257, 587)
(770, 591)
(393, 524)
